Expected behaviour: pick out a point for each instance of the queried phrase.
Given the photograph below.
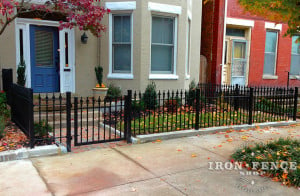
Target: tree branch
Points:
(9, 20)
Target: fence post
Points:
(197, 119)
(30, 118)
(75, 120)
(250, 106)
(236, 98)
(128, 103)
(295, 104)
(69, 137)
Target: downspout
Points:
(224, 36)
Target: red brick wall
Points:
(212, 38)
(256, 61)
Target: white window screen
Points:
(295, 60)
(121, 44)
(43, 48)
(162, 48)
(270, 52)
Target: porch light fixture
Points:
(84, 38)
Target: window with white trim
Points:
(295, 59)
(270, 52)
(121, 43)
(188, 47)
(162, 45)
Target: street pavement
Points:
(171, 167)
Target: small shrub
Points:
(42, 129)
(99, 74)
(3, 105)
(2, 126)
(137, 106)
(21, 79)
(113, 92)
(150, 96)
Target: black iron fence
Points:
(209, 106)
(61, 118)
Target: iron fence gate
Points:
(85, 120)
(99, 121)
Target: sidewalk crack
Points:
(42, 177)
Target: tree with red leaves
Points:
(85, 14)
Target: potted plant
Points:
(100, 90)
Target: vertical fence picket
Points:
(129, 115)
(75, 121)
(197, 109)
(69, 137)
(250, 109)
(53, 114)
(99, 117)
(60, 118)
(295, 103)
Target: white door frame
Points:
(67, 74)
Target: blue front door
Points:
(44, 59)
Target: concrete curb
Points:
(26, 153)
(139, 139)
(121, 134)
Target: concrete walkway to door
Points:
(173, 167)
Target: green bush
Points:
(42, 129)
(99, 74)
(113, 92)
(137, 106)
(2, 126)
(3, 105)
(150, 96)
(21, 79)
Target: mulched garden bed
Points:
(13, 138)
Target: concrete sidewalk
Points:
(173, 167)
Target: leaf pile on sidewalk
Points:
(279, 151)
(13, 138)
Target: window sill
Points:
(270, 77)
(187, 77)
(294, 77)
(120, 76)
(163, 77)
